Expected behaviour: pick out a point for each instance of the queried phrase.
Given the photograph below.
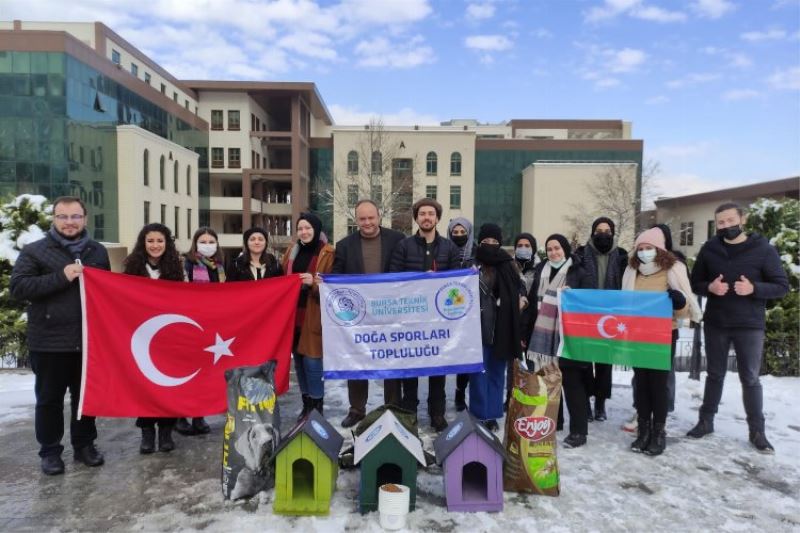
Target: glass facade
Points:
(57, 133)
(321, 170)
(498, 180)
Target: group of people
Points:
(737, 273)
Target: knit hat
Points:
(426, 202)
(249, 233)
(608, 221)
(562, 241)
(491, 231)
(652, 236)
(528, 237)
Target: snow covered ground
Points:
(718, 483)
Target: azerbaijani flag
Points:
(627, 328)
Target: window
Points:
(377, 194)
(430, 191)
(175, 180)
(161, 176)
(175, 96)
(217, 157)
(234, 158)
(712, 229)
(188, 223)
(216, 119)
(163, 213)
(189, 180)
(146, 171)
(352, 162)
(147, 212)
(352, 227)
(177, 220)
(431, 165)
(252, 122)
(377, 164)
(352, 195)
(202, 161)
(186, 104)
(455, 197)
(135, 69)
(163, 89)
(147, 78)
(233, 120)
(687, 233)
(455, 164)
(115, 57)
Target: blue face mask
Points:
(646, 256)
(557, 264)
(524, 253)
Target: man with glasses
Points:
(46, 276)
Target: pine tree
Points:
(779, 221)
(23, 220)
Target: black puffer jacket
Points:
(54, 310)
(240, 269)
(409, 255)
(755, 259)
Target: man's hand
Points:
(306, 278)
(718, 287)
(743, 286)
(72, 271)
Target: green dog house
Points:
(306, 466)
(387, 453)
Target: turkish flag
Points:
(158, 348)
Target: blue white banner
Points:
(399, 325)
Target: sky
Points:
(711, 86)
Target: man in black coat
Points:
(367, 251)
(423, 252)
(46, 275)
(738, 273)
(604, 263)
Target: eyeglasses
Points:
(64, 218)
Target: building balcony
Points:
(233, 204)
(282, 175)
(276, 209)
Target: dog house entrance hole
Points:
(474, 482)
(303, 479)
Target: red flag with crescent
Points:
(156, 348)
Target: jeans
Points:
(57, 372)
(309, 375)
(487, 389)
(749, 347)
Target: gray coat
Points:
(54, 304)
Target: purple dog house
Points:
(472, 459)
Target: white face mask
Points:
(206, 249)
(646, 256)
(557, 264)
(524, 253)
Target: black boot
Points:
(575, 440)
(704, 427)
(438, 423)
(183, 427)
(760, 442)
(643, 438)
(600, 409)
(89, 455)
(316, 403)
(148, 444)
(52, 465)
(589, 413)
(200, 425)
(306, 407)
(658, 441)
(165, 442)
(461, 399)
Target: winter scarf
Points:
(468, 250)
(75, 246)
(507, 332)
(545, 338)
(677, 279)
(201, 266)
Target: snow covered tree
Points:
(779, 221)
(23, 220)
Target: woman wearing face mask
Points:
(154, 256)
(561, 270)
(525, 255)
(500, 325)
(203, 264)
(653, 268)
(310, 255)
(459, 230)
(254, 262)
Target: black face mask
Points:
(603, 242)
(729, 233)
(460, 240)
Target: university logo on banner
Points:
(406, 324)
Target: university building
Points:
(84, 113)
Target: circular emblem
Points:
(454, 431)
(345, 307)
(454, 300)
(319, 429)
(373, 433)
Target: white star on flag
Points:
(621, 327)
(220, 348)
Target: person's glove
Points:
(678, 299)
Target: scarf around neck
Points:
(545, 339)
(75, 246)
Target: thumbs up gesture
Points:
(743, 286)
(718, 287)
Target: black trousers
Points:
(652, 387)
(601, 382)
(57, 372)
(403, 392)
(576, 395)
(151, 422)
(357, 393)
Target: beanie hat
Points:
(608, 221)
(652, 236)
(249, 233)
(490, 230)
(563, 242)
(429, 202)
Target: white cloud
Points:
(657, 100)
(682, 183)
(735, 59)
(734, 95)
(712, 9)
(488, 43)
(657, 14)
(542, 33)
(625, 60)
(786, 79)
(603, 65)
(353, 116)
(381, 52)
(771, 34)
(692, 79)
(480, 11)
(632, 8)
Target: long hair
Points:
(170, 263)
(266, 258)
(203, 230)
(664, 259)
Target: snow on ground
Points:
(718, 483)
(16, 395)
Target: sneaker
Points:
(574, 440)
(704, 427)
(760, 442)
(352, 419)
(89, 455)
(632, 425)
(52, 465)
